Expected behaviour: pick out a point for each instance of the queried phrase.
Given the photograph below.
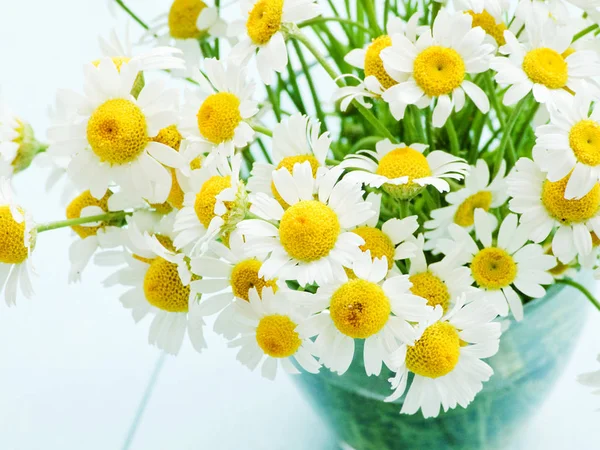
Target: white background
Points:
(73, 366)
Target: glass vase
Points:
(532, 355)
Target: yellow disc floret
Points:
(493, 268)
(569, 211)
(171, 137)
(436, 353)
(82, 201)
(465, 213)
(244, 277)
(309, 230)
(289, 162)
(264, 20)
(219, 116)
(546, 66)
(377, 242)
(163, 287)
(403, 162)
(182, 19)
(431, 288)
(584, 139)
(486, 21)
(12, 238)
(117, 131)
(438, 70)
(206, 199)
(276, 335)
(359, 308)
(374, 64)
(118, 61)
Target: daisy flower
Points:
(309, 241)
(500, 266)
(13, 134)
(187, 22)
(446, 360)
(111, 140)
(479, 192)
(437, 65)
(215, 116)
(229, 272)
(263, 32)
(295, 140)
(539, 64)
(486, 14)
(402, 170)
(268, 326)
(160, 285)
(16, 242)
(570, 144)
(368, 59)
(213, 206)
(380, 310)
(543, 207)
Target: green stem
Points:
(507, 133)
(581, 289)
(106, 217)
(585, 31)
(311, 84)
(370, 10)
(260, 129)
(453, 137)
(317, 20)
(132, 14)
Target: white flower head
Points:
(487, 14)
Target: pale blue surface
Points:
(73, 366)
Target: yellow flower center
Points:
(403, 162)
(206, 199)
(546, 66)
(568, 211)
(170, 136)
(359, 308)
(264, 20)
(431, 288)
(486, 21)
(276, 336)
(465, 213)
(118, 61)
(244, 277)
(493, 268)
(438, 70)
(309, 230)
(374, 64)
(196, 163)
(182, 19)
(82, 201)
(377, 242)
(12, 238)
(289, 162)
(163, 287)
(219, 116)
(117, 131)
(436, 353)
(584, 139)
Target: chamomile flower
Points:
(111, 140)
(229, 272)
(539, 64)
(263, 32)
(437, 65)
(269, 337)
(16, 243)
(160, 286)
(479, 192)
(380, 310)
(91, 235)
(295, 140)
(500, 266)
(368, 59)
(543, 207)
(187, 22)
(440, 283)
(309, 241)
(446, 360)
(570, 144)
(486, 14)
(402, 170)
(12, 135)
(213, 206)
(215, 116)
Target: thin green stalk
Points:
(274, 102)
(369, 6)
(507, 133)
(260, 129)
(106, 217)
(581, 289)
(264, 151)
(132, 14)
(295, 95)
(585, 31)
(311, 85)
(318, 20)
(452, 137)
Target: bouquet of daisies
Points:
(317, 173)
